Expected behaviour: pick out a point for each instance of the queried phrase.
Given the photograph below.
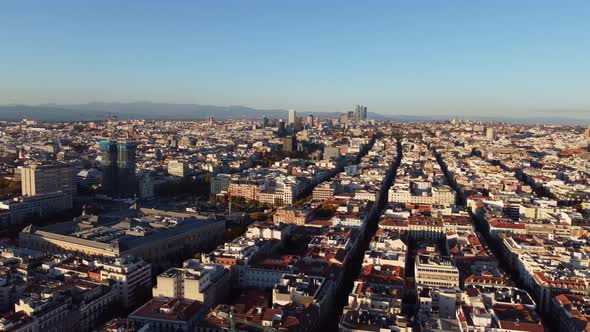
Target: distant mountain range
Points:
(167, 111)
(146, 110)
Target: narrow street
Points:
(355, 264)
(494, 246)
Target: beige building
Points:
(131, 276)
(156, 236)
(44, 179)
(442, 195)
(206, 283)
(177, 168)
(324, 191)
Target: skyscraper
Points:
(310, 120)
(292, 116)
(126, 169)
(289, 143)
(281, 128)
(360, 113)
(490, 134)
(118, 167)
(264, 122)
(298, 124)
(350, 116)
(108, 165)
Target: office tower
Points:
(310, 120)
(317, 121)
(587, 133)
(210, 120)
(264, 122)
(350, 116)
(45, 179)
(298, 124)
(126, 169)
(490, 134)
(292, 116)
(108, 165)
(360, 113)
(282, 130)
(289, 144)
(118, 167)
(145, 185)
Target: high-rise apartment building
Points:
(45, 179)
(118, 167)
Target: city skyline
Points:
(304, 166)
(470, 59)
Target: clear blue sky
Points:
(396, 57)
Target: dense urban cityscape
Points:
(309, 223)
(295, 166)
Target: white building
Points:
(436, 271)
(195, 281)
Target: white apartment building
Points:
(131, 275)
(436, 271)
(437, 195)
(195, 281)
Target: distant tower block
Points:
(292, 116)
(491, 134)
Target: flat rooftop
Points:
(124, 231)
(171, 310)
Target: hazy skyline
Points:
(461, 58)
